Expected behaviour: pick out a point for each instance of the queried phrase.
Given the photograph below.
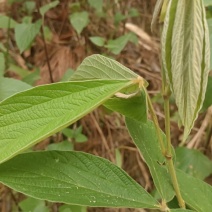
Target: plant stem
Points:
(169, 157)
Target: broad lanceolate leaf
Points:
(196, 193)
(100, 67)
(185, 55)
(145, 138)
(28, 117)
(74, 178)
(25, 34)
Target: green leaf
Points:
(118, 44)
(145, 138)
(6, 22)
(74, 178)
(79, 20)
(210, 36)
(80, 138)
(35, 205)
(208, 95)
(156, 12)
(69, 133)
(97, 4)
(98, 41)
(134, 107)
(193, 162)
(72, 208)
(10, 86)
(2, 64)
(67, 75)
(207, 3)
(196, 193)
(48, 6)
(185, 55)
(180, 210)
(100, 67)
(25, 34)
(31, 116)
(61, 146)
(32, 77)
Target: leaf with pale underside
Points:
(74, 178)
(185, 56)
(33, 115)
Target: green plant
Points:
(78, 178)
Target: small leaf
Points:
(35, 205)
(45, 8)
(25, 34)
(61, 146)
(6, 22)
(79, 20)
(97, 4)
(145, 138)
(72, 208)
(98, 41)
(31, 116)
(118, 44)
(74, 178)
(80, 138)
(10, 86)
(196, 193)
(100, 67)
(193, 162)
(69, 133)
(2, 64)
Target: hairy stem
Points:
(169, 157)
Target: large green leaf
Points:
(145, 138)
(185, 55)
(28, 117)
(134, 107)
(25, 34)
(208, 95)
(196, 193)
(100, 67)
(74, 178)
(193, 162)
(9, 86)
